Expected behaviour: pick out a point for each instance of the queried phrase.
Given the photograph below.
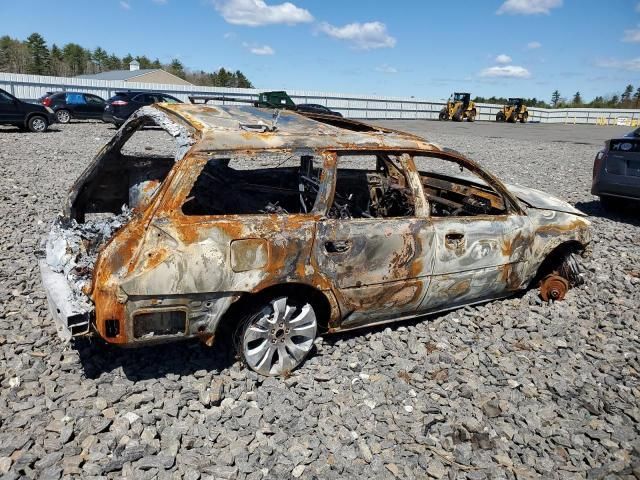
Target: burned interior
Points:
(286, 229)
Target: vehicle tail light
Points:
(597, 164)
(119, 103)
(46, 101)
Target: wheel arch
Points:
(323, 302)
(552, 258)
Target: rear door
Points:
(77, 105)
(375, 245)
(95, 105)
(10, 111)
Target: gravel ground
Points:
(509, 389)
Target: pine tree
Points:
(243, 82)
(555, 98)
(38, 55)
(626, 95)
(636, 97)
(100, 58)
(176, 68)
(577, 99)
(76, 58)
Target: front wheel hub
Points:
(553, 287)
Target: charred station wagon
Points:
(286, 225)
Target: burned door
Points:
(375, 245)
(480, 239)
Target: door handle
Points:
(454, 239)
(337, 246)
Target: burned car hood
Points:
(538, 199)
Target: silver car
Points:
(616, 170)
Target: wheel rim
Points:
(39, 124)
(63, 116)
(279, 338)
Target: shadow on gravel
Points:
(626, 214)
(183, 358)
(19, 130)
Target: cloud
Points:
(384, 68)
(528, 7)
(632, 35)
(259, 49)
(125, 5)
(362, 36)
(256, 13)
(503, 59)
(533, 45)
(506, 71)
(631, 65)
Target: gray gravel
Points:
(510, 389)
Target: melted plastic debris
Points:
(71, 248)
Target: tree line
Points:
(629, 98)
(33, 56)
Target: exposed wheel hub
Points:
(553, 287)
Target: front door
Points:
(476, 259)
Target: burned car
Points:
(284, 226)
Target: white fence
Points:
(31, 87)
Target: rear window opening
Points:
(127, 177)
(371, 186)
(260, 183)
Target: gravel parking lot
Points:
(510, 389)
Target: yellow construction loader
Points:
(458, 108)
(515, 110)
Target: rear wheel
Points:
(471, 116)
(443, 116)
(457, 117)
(63, 116)
(37, 124)
(277, 335)
(500, 117)
(524, 117)
(513, 118)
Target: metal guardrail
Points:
(32, 87)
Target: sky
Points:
(420, 48)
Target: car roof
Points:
(224, 127)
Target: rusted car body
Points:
(200, 243)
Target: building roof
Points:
(120, 74)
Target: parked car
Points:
(24, 115)
(123, 104)
(74, 105)
(616, 171)
(315, 108)
(287, 231)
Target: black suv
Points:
(123, 104)
(68, 105)
(23, 115)
(315, 108)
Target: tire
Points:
(37, 124)
(500, 117)
(524, 118)
(276, 336)
(513, 118)
(63, 116)
(471, 117)
(458, 116)
(443, 116)
(611, 204)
